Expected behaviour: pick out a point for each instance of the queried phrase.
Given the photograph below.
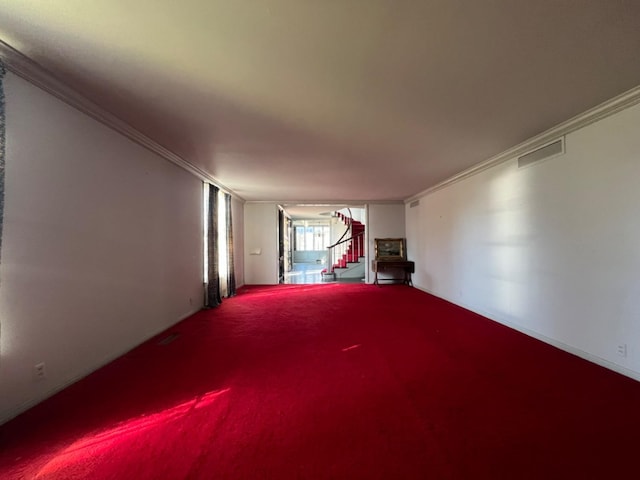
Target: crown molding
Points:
(331, 203)
(604, 110)
(21, 65)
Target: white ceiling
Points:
(304, 212)
(334, 100)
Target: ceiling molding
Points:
(606, 109)
(330, 203)
(21, 65)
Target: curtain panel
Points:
(213, 298)
(231, 274)
(2, 151)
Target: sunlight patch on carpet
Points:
(92, 446)
(352, 347)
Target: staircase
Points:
(346, 256)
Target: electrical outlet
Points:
(622, 350)
(39, 371)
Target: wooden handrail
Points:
(346, 240)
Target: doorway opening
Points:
(310, 231)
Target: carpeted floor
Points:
(334, 381)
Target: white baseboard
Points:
(543, 338)
(23, 407)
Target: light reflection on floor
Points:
(305, 273)
(94, 445)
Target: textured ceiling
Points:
(349, 100)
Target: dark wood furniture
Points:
(407, 268)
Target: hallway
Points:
(308, 273)
(304, 273)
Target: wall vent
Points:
(415, 203)
(542, 153)
(168, 339)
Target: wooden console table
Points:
(383, 265)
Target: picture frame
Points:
(390, 249)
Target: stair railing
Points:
(348, 221)
(339, 255)
(345, 250)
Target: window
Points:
(312, 237)
(218, 274)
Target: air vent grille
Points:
(415, 203)
(168, 339)
(547, 151)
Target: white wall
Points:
(384, 221)
(551, 249)
(261, 235)
(102, 246)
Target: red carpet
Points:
(334, 381)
